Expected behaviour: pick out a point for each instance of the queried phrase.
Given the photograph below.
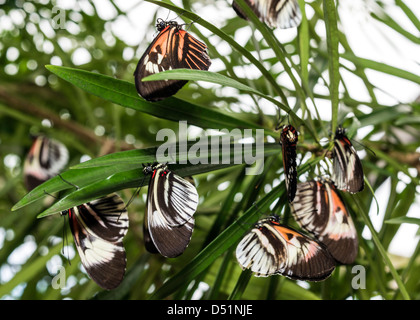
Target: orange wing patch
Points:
(173, 48)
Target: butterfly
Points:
(271, 248)
(171, 204)
(98, 228)
(46, 158)
(320, 210)
(288, 141)
(275, 13)
(347, 167)
(173, 48)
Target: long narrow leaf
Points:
(381, 67)
(124, 94)
(330, 15)
(110, 173)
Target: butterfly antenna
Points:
(281, 120)
(179, 16)
(132, 198)
(364, 146)
(68, 182)
(171, 153)
(246, 226)
(49, 194)
(258, 209)
(134, 195)
(190, 24)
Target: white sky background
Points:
(367, 37)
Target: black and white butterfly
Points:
(171, 204)
(288, 141)
(98, 228)
(46, 158)
(275, 13)
(271, 248)
(319, 209)
(173, 48)
(347, 167)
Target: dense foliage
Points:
(256, 80)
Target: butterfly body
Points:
(98, 228)
(320, 210)
(171, 204)
(173, 48)
(288, 141)
(271, 248)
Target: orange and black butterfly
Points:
(173, 48)
(271, 248)
(275, 13)
(347, 167)
(288, 141)
(319, 209)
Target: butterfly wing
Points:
(192, 53)
(98, 228)
(320, 210)
(275, 13)
(171, 204)
(270, 248)
(289, 139)
(46, 158)
(347, 167)
(173, 48)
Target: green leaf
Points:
(330, 15)
(391, 23)
(241, 285)
(101, 176)
(409, 13)
(124, 94)
(401, 220)
(118, 181)
(304, 45)
(201, 75)
(381, 67)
